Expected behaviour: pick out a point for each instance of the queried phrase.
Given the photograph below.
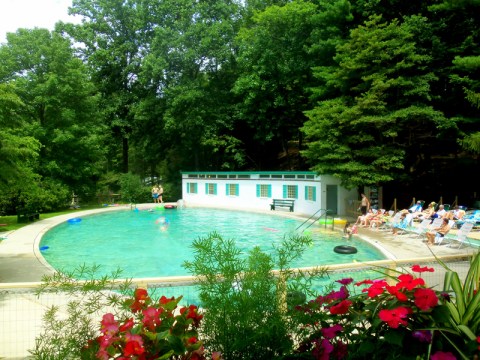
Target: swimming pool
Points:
(155, 243)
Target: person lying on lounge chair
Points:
(440, 231)
(427, 213)
(401, 224)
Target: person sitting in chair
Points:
(416, 208)
(440, 231)
(428, 212)
(401, 224)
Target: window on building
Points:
(211, 189)
(192, 188)
(289, 176)
(264, 190)
(311, 193)
(232, 189)
(290, 191)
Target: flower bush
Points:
(397, 319)
(156, 330)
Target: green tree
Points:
(58, 107)
(378, 123)
(112, 43)
(274, 77)
(189, 72)
(17, 152)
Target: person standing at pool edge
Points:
(155, 194)
(160, 194)
(364, 204)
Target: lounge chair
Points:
(421, 229)
(461, 235)
(387, 225)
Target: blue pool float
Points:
(74, 220)
(42, 248)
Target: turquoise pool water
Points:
(156, 243)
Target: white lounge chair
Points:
(388, 224)
(461, 235)
(421, 229)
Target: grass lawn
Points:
(9, 223)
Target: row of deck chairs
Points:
(420, 230)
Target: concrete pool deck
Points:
(21, 264)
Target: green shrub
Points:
(243, 301)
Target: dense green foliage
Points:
(374, 92)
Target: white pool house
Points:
(307, 191)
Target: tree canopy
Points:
(373, 92)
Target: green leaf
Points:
(176, 344)
(467, 331)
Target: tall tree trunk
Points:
(125, 154)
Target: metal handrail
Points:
(310, 218)
(324, 214)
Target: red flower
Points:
(164, 300)
(408, 282)
(192, 340)
(398, 294)
(127, 325)
(425, 299)
(192, 314)
(419, 269)
(141, 294)
(376, 289)
(134, 345)
(363, 282)
(340, 308)
(395, 317)
(440, 355)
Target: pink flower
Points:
(440, 355)
(216, 355)
(345, 281)
(322, 350)
(331, 332)
(151, 318)
(338, 295)
(108, 325)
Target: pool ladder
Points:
(324, 213)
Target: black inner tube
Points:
(345, 249)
